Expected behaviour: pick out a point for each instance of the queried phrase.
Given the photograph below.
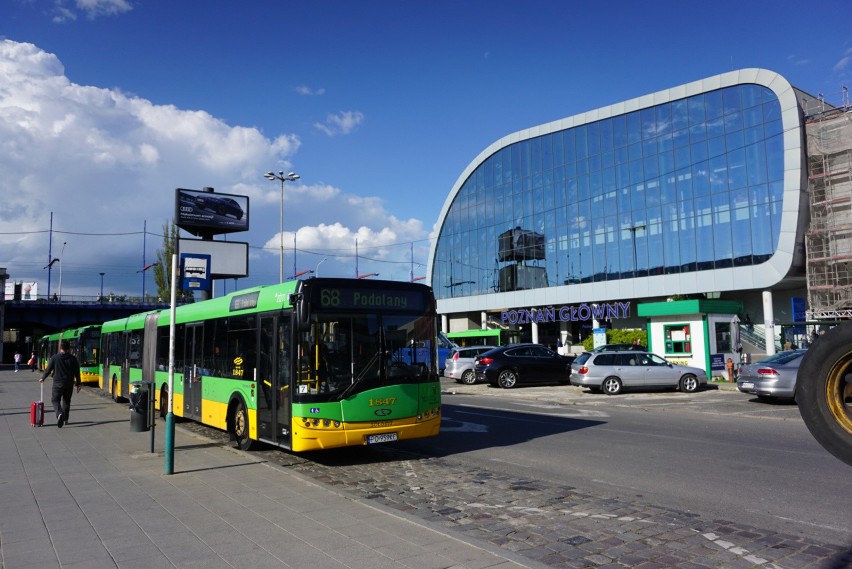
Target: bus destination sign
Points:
(360, 299)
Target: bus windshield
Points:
(343, 354)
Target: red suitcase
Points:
(37, 410)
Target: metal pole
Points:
(49, 255)
(61, 262)
(281, 260)
(169, 451)
(102, 286)
(144, 236)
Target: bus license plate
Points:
(383, 438)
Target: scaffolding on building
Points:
(828, 241)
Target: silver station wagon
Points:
(611, 372)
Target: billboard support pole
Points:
(169, 453)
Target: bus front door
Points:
(193, 373)
(273, 401)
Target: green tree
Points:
(163, 266)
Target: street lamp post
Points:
(291, 177)
(101, 297)
(316, 271)
(61, 254)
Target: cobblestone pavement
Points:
(559, 526)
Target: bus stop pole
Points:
(169, 464)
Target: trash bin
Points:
(139, 407)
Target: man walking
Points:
(17, 360)
(66, 372)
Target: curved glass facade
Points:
(690, 185)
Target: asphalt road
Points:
(715, 453)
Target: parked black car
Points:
(508, 366)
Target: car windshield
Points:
(783, 357)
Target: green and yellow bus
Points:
(303, 365)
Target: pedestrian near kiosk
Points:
(33, 362)
(730, 370)
(17, 360)
(66, 373)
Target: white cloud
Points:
(844, 62)
(343, 122)
(104, 162)
(91, 9)
(309, 91)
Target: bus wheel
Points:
(824, 391)
(164, 402)
(241, 427)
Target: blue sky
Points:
(106, 106)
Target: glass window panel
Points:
(568, 140)
(699, 151)
(607, 159)
(680, 138)
(607, 136)
(547, 152)
(761, 231)
(684, 184)
(733, 122)
(686, 221)
(668, 189)
(652, 192)
(622, 155)
(648, 120)
(593, 138)
(581, 142)
(775, 220)
(718, 172)
(583, 188)
(753, 116)
(776, 191)
(637, 198)
(634, 128)
(732, 99)
(667, 162)
(701, 179)
(713, 105)
(759, 194)
(506, 154)
(704, 231)
(665, 142)
(652, 167)
(635, 151)
(636, 173)
(558, 153)
(697, 133)
(595, 184)
(535, 155)
(741, 228)
(582, 167)
(594, 163)
(716, 147)
(671, 239)
(756, 164)
(622, 175)
(753, 135)
(609, 180)
(619, 128)
(682, 158)
(775, 157)
(573, 193)
(649, 147)
(722, 240)
(736, 169)
(695, 109)
(679, 116)
(771, 110)
(663, 118)
(752, 95)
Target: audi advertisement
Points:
(211, 213)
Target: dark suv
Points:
(511, 365)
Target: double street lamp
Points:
(282, 177)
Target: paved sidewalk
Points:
(91, 495)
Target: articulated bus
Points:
(84, 343)
(303, 365)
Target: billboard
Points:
(27, 290)
(228, 259)
(209, 213)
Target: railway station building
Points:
(728, 190)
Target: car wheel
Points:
(824, 392)
(611, 386)
(507, 379)
(689, 383)
(468, 377)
